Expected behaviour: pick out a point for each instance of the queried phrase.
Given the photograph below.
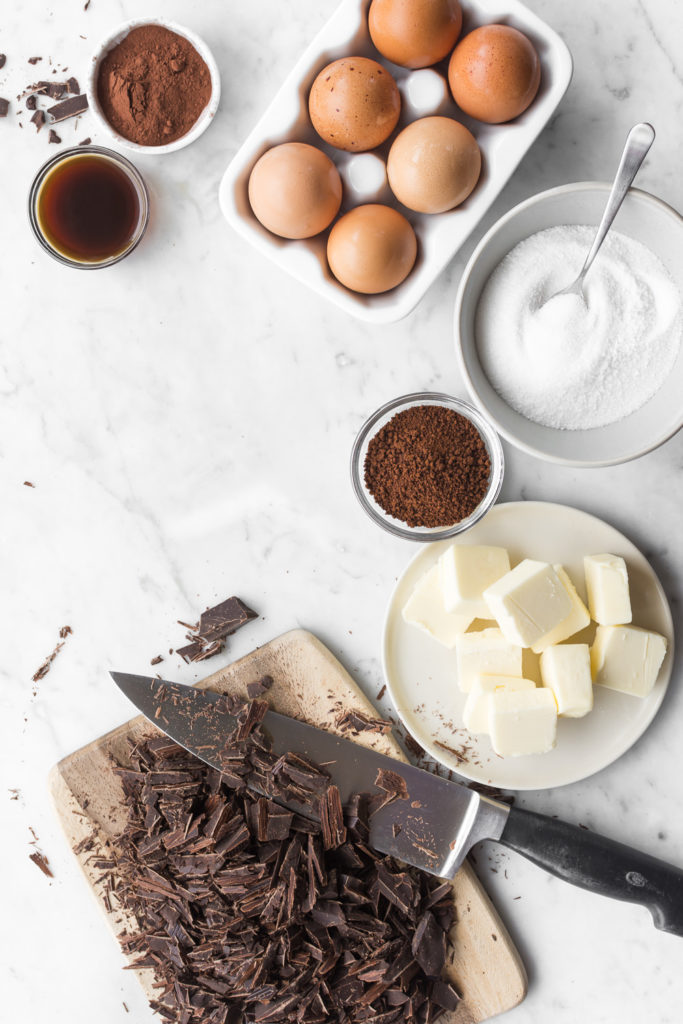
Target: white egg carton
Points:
(439, 235)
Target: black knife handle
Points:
(601, 865)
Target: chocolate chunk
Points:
(56, 90)
(224, 619)
(392, 783)
(357, 721)
(31, 103)
(156, 660)
(4, 107)
(53, 137)
(72, 86)
(69, 108)
(34, 60)
(86, 142)
(259, 687)
(3, 60)
(429, 945)
(38, 119)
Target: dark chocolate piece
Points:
(4, 107)
(53, 137)
(41, 861)
(31, 102)
(34, 60)
(72, 86)
(86, 142)
(392, 783)
(156, 660)
(38, 119)
(56, 90)
(224, 619)
(357, 721)
(68, 108)
(259, 687)
(3, 60)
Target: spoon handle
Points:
(639, 140)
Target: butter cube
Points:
(528, 602)
(425, 609)
(566, 670)
(609, 599)
(466, 572)
(475, 715)
(627, 658)
(523, 723)
(577, 619)
(486, 653)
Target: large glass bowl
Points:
(376, 422)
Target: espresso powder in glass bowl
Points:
(153, 86)
(427, 466)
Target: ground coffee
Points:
(428, 466)
(153, 86)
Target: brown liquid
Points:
(88, 208)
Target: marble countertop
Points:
(186, 418)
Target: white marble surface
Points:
(186, 418)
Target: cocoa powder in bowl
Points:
(428, 466)
(153, 86)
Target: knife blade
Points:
(432, 830)
(440, 821)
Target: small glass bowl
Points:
(133, 176)
(375, 422)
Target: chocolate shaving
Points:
(246, 910)
(41, 861)
(357, 721)
(45, 667)
(68, 108)
(157, 660)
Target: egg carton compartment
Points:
(439, 236)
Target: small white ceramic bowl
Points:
(642, 217)
(207, 114)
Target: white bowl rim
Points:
(112, 39)
(570, 188)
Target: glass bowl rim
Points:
(132, 172)
(488, 435)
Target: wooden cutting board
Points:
(310, 684)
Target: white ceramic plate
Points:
(439, 236)
(420, 673)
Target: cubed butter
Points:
(475, 715)
(566, 671)
(609, 599)
(528, 602)
(577, 619)
(523, 723)
(627, 658)
(466, 572)
(425, 609)
(486, 653)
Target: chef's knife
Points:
(440, 822)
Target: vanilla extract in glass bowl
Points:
(89, 207)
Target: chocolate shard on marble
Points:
(53, 137)
(34, 60)
(38, 119)
(56, 90)
(40, 860)
(3, 60)
(68, 108)
(31, 103)
(4, 107)
(72, 86)
(224, 619)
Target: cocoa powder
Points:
(153, 86)
(428, 466)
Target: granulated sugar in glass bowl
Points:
(426, 466)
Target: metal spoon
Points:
(639, 140)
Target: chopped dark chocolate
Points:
(261, 686)
(31, 102)
(3, 60)
(41, 861)
(392, 783)
(86, 142)
(248, 911)
(34, 60)
(157, 660)
(68, 108)
(53, 137)
(4, 107)
(357, 721)
(215, 624)
(38, 119)
(72, 86)
(56, 90)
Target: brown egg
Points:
(415, 33)
(433, 164)
(295, 190)
(354, 104)
(494, 73)
(371, 249)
